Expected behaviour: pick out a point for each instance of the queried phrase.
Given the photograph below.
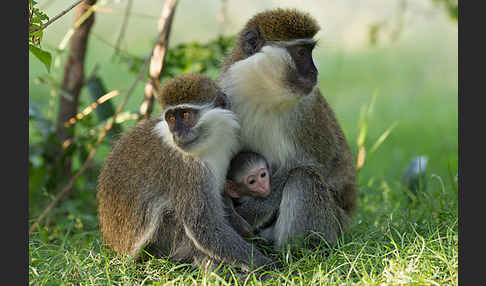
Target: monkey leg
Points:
(308, 207)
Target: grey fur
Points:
(242, 163)
(151, 195)
(313, 182)
(308, 191)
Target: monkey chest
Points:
(269, 137)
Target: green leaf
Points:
(43, 56)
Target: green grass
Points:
(393, 241)
(396, 237)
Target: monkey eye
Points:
(251, 180)
(262, 175)
(185, 115)
(301, 51)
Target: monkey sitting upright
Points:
(248, 175)
(161, 186)
(271, 79)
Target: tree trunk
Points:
(72, 82)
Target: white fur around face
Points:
(217, 147)
(265, 70)
(221, 143)
(264, 118)
(162, 130)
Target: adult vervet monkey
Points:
(161, 186)
(271, 80)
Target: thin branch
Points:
(102, 40)
(157, 60)
(222, 16)
(119, 11)
(124, 26)
(80, 20)
(56, 17)
(90, 108)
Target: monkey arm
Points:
(241, 226)
(202, 215)
(308, 205)
(329, 151)
(258, 211)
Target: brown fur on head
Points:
(275, 25)
(188, 88)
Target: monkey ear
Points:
(230, 189)
(222, 100)
(252, 41)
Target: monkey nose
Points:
(264, 188)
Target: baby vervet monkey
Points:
(248, 175)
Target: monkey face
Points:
(304, 77)
(301, 75)
(181, 122)
(258, 182)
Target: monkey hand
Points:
(243, 227)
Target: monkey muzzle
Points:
(263, 183)
(184, 139)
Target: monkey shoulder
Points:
(141, 158)
(318, 133)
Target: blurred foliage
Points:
(106, 110)
(191, 57)
(394, 27)
(37, 20)
(197, 58)
(373, 32)
(44, 180)
(451, 7)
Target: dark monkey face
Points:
(181, 122)
(303, 76)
